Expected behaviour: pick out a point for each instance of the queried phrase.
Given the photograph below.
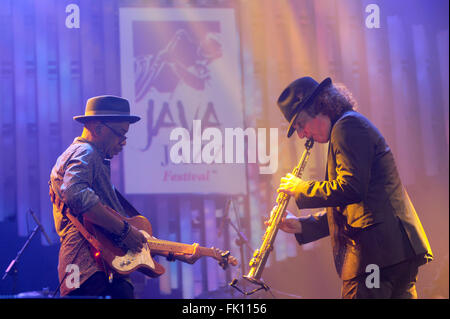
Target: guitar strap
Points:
(86, 234)
(91, 239)
(95, 244)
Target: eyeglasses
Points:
(120, 135)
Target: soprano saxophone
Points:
(261, 255)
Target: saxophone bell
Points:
(255, 281)
(261, 255)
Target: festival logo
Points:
(184, 58)
(180, 67)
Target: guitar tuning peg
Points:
(224, 262)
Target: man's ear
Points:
(94, 127)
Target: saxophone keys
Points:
(253, 262)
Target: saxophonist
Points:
(368, 214)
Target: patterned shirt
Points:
(81, 178)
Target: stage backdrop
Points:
(179, 65)
(398, 72)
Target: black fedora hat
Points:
(297, 96)
(108, 107)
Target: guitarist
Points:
(80, 184)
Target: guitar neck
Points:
(157, 245)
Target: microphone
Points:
(224, 218)
(40, 226)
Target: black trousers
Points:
(98, 286)
(396, 282)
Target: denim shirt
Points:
(81, 178)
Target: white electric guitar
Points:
(125, 261)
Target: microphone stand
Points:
(12, 269)
(241, 241)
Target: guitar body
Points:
(124, 261)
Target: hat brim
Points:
(126, 118)
(306, 102)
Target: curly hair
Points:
(333, 101)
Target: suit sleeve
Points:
(314, 227)
(353, 152)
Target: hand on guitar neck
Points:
(224, 258)
(187, 258)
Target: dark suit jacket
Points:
(369, 215)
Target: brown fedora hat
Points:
(108, 107)
(297, 96)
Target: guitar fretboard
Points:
(174, 247)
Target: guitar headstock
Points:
(224, 258)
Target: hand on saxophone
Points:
(289, 184)
(289, 222)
